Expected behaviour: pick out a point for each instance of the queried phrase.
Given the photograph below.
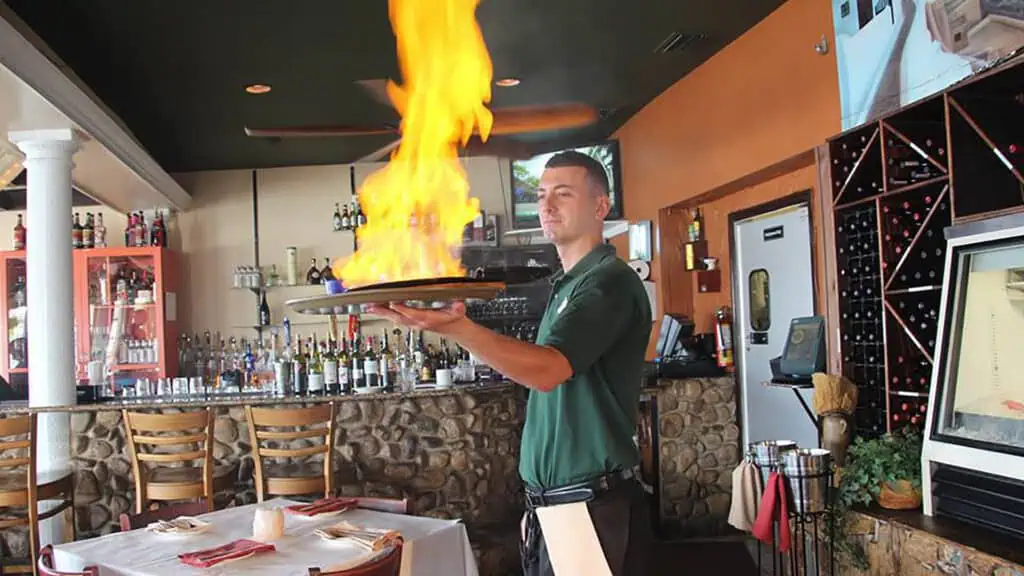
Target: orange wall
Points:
(764, 98)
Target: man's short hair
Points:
(573, 159)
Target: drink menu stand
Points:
(796, 385)
(813, 519)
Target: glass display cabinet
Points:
(973, 460)
(14, 353)
(126, 313)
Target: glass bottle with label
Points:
(330, 368)
(299, 383)
(88, 237)
(314, 369)
(19, 234)
(326, 273)
(344, 369)
(388, 368)
(358, 378)
(346, 218)
(264, 310)
(76, 232)
(99, 233)
(338, 224)
(313, 274)
(371, 366)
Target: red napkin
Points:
(229, 551)
(773, 507)
(322, 506)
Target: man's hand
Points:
(441, 321)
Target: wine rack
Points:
(896, 184)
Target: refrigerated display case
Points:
(14, 347)
(126, 313)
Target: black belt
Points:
(585, 491)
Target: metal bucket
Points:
(766, 455)
(809, 474)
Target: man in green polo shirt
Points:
(584, 372)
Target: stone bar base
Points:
(698, 448)
(910, 544)
(453, 452)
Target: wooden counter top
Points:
(21, 407)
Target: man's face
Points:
(569, 205)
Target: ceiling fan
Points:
(507, 121)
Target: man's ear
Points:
(604, 206)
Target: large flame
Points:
(418, 205)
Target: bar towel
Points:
(774, 507)
(746, 493)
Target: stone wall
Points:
(896, 549)
(699, 446)
(454, 453)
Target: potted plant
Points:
(885, 469)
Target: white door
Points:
(773, 276)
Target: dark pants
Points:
(622, 519)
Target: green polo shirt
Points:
(599, 318)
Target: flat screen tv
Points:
(526, 176)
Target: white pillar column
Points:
(51, 354)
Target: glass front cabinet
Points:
(126, 318)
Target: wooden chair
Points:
(134, 521)
(21, 486)
(45, 565)
(388, 565)
(292, 478)
(171, 442)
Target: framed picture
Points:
(640, 240)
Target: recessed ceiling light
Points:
(507, 82)
(257, 88)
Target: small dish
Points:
(180, 526)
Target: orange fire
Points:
(418, 205)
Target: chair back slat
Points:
(15, 425)
(169, 440)
(178, 422)
(388, 565)
(291, 434)
(280, 417)
(169, 457)
(292, 452)
(14, 462)
(169, 512)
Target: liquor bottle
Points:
(360, 217)
(371, 365)
(344, 368)
(326, 273)
(88, 238)
(338, 223)
(330, 361)
(129, 227)
(315, 369)
(358, 377)
(142, 230)
(427, 366)
(299, 382)
(76, 232)
(313, 274)
(157, 232)
(387, 368)
(346, 218)
(264, 310)
(19, 234)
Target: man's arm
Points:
(541, 368)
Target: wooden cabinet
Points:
(125, 314)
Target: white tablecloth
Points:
(432, 547)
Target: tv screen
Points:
(892, 53)
(526, 177)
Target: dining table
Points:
(432, 546)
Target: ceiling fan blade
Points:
(377, 88)
(380, 153)
(542, 118)
(320, 131)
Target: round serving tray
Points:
(436, 293)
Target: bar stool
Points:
(26, 488)
(292, 478)
(170, 442)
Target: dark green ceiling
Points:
(174, 70)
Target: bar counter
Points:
(454, 452)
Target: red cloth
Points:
(230, 551)
(322, 506)
(774, 507)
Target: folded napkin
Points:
(774, 507)
(372, 539)
(322, 506)
(179, 525)
(746, 492)
(230, 551)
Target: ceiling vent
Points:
(677, 42)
